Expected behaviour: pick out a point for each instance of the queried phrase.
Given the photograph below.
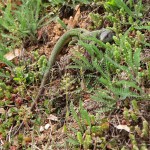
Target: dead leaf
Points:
(72, 22)
(78, 13)
(1, 137)
(58, 29)
(41, 128)
(47, 126)
(2, 111)
(13, 54)
(40, 137)
(52, 117)
(27, 139)
(13, 147)
(123, 127)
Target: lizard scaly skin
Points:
(104, 35)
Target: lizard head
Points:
(106, 35)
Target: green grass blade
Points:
(121, 4)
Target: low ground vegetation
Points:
(98, 93)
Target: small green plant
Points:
(133, 141)
(145, 130)
(4, 73)
(22, 23)
(72, 2)
(5, 92)
(88, 129)
(133, 116)
(21, 76)
(97, 20)
(122, 14)
(42, 63)
(26, 76)
(119, 4)
(135, 144)
(24, 114)
(19, 26)
(115, 80)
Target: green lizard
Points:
(104, 35)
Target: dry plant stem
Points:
(21, 126)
